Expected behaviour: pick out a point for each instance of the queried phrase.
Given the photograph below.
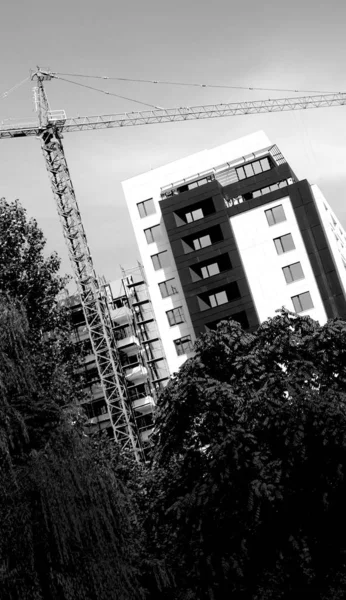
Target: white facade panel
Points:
(148, 185)
(263, 266)
(335, 233)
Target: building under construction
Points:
(141, 355)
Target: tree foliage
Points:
(249, 464)
(26, 273)
(67, 521)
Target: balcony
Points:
(129, 345)
(136, 375)
(100, 419)
(80, 334)
(145, 435)
(97, 391)
(121, 316)
(98, 426)
(194, 212)
(89, 358)
(88, 363)
(204, 238)
(144, 405)
(256, 193)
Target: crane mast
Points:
(92, 296)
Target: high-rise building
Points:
(232, 232)
(140, 351)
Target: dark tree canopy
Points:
(250, 464)
(68, 528)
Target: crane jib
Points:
(58, 119)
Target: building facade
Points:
(232, 232)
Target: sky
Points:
(296, 45)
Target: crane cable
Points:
(55, 76)
(13, 88)
(201, 85)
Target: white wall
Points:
(335, 233)
(148, 185)
(263, 266)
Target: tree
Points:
(32, 283)
(250, 464)
(67, 522)
(25, 273)
(64, 518)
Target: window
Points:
(153, 234)
(302, 302)
(217, 299)
(265, 164)
(160, 260)
(284, 243)
(194, 215)
(275, 215)
(293, 272)
(202, 242)
(254, 168)
(273, 187)
(210, 270)
(175, 316)
(183, 345)
(167, 288)
(146, 208)
(257, 168)
(248, 170)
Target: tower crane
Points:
(49, 128)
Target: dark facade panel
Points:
(327, 260)
(319, 237)
(225, 247)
